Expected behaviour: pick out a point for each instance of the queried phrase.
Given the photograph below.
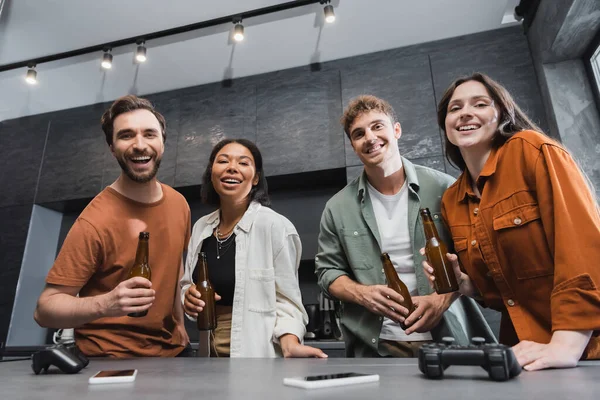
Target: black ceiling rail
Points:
(160, 34)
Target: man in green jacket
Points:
(376, 213)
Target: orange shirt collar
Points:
(465, 186)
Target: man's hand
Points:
(130, 296)
(291, 348)
(381, 300)
(428, 312)
(465, 285)
(563, 351)
(192, 304)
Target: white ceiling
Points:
(34, 28)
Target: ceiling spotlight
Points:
(107, 59)
(329, 14)
(140, 53)
(31, 76)
(238, 31)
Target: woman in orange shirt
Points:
(525, 225)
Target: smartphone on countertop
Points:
(330, 380)
(114, 376)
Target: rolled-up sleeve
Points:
(572, 224)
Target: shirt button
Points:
(473, 242)
(355, 233)
(510, 302)
(316, 258)
(382, 270)
(476, 211)
(373, 340)
(435, 216)
(517, 221)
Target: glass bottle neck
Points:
(141, 255)
(429, 227)
(202, 268)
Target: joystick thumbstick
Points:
(448, 340)
(477, 341)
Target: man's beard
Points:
(139, 178)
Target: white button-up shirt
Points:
(266, 301)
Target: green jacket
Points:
(349, 244)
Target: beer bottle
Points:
(394, 282)
(435, 250)
(207, 319)
(141, 266)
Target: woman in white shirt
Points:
(253, 255)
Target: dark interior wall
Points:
(60, 160)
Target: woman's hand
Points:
(563, 351)
(291, 348)
(465, 285)
(192, 304)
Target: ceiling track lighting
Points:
(31, 76)
(328, 11)
(140, 53)
(107, 59)
(238, 30)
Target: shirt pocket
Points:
(358, 244)
(522, 242)
(261, 290)
(460, 244)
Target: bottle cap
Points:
(144, 235)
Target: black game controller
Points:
(497, 359)
(68, 359)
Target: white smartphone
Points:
(331, 380)
(114, 376)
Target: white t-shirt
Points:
(391, 214)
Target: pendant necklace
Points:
(223, 244)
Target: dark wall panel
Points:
(22, 144)
(297, 129)
(74, 156)
(13, 235)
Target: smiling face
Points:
(138, 144)
(234, 172)
(374, 138)
(472, 117)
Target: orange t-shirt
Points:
(97, 255)
(531, 243)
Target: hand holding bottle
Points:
(132, 296)
(465, 286)
(381, 300)
(193, 303)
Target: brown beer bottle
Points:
(394, 282)
(141, 266)
(435, 250)
(207, 319)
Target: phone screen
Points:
(332, 376)
(118, 372)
